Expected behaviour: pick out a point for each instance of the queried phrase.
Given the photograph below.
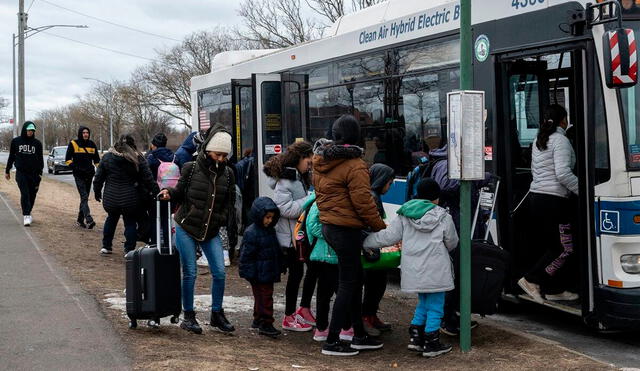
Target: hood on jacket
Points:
(163, 154)
(380, 175)
(80, 140)
(310, 199)
(202, 158)
(23, 133)
(439, 152)
(328, 155)
(423, 214)
(259, 209)
(189, 145)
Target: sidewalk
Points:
(47, 321)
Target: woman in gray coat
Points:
(290, 178)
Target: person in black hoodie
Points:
(26, 154)
(124, 170)
(82, 157)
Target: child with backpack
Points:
(262, 262)
(427, 232)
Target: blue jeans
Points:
(429, 311)
(212, 249)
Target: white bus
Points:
(391, 66)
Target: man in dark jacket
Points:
(82, 157)
(26, 154)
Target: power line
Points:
(98, 47)
(30, 5)
(110, 22)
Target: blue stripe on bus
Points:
(616, 217)
(396, 194)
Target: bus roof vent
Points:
(380, 13)
(233, 57)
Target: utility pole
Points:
(44, 140)
(22, 20)
(13, 76)
(466, 83)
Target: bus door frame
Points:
(584, 92)
(303, 94)
(236, 85)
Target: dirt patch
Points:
(169, 347)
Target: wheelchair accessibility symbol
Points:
(609, 221)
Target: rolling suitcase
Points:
(153, 280)
(489, 262)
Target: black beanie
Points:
(428, 189)
(346, 130)
(159, 140)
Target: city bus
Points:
(392, 65)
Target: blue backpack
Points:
(423, 170)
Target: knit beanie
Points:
(428, 189)
(221, 142)
(159, 140)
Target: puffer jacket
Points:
(261, 258)
(206, 195)
(428, 234)
(343, 192)
(552, 168)
(321, 252)
(289, 196)
(123, 183)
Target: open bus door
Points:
(244, 138)
(528, 81)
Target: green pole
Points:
(466, 83)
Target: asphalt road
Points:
(66, 177)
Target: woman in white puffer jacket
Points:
(553, 182)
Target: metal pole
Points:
(44, 140)
(22, 20)
(110, 108)
(466, 83)
(13, 76)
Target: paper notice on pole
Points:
(466, 135)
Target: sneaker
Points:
(105, 251)
(366, 343)
(367, 321)
(320, 335)
(338, 348)
(565, 296)
(81, 225)
(30, 219)
(91, 225)
(26, 221)
(294, 323)
(307, 316)
(269, 330)
(455, 330)
(531, 289)
(346, 335)
(377, 323)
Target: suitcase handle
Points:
(158, 244)
(143, 283)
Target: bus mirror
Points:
(620, 58)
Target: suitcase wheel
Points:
(154, 323)
(174, 319)
(133, 324)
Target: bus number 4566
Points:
(524, 3)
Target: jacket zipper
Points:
(213, 201)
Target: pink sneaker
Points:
(307, 316)
(346, 335)
(320, 335)
(294, 323)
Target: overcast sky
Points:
(55, 67)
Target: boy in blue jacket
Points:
(262, 262)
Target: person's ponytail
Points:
(553, 116)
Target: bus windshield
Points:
(630, 98)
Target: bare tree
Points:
(276, 23)
(331, 10)
(144, 120)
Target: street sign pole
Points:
(466, 83)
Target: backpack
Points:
(301, 239)
(168, 174)
(423, 170)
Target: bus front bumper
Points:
(617, 309)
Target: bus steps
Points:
(565, 306)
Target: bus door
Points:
(527, 83)
(267, 118)
(295, 107)
(244, 137)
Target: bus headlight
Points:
(630, 263)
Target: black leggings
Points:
(327, 286)
(347, 243)
(295, 274)
(375, 284)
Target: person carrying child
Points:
(262, 262)
(427, 231)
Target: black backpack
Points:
(423, 170)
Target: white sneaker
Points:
(26, 221)
(565, 296)
(104, 251)
(532, 289)
(30, 219)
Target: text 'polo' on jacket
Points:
(25, 153)
(552, 168)
(343, 192)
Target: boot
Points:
(190, 323)
(219, 320)
(432, 345)
(416, 338)
(269, 330)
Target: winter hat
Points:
(159, 140)
(30, 126)
(221, 142)
(428, 189)
(346, 130)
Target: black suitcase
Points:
(153, 281)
